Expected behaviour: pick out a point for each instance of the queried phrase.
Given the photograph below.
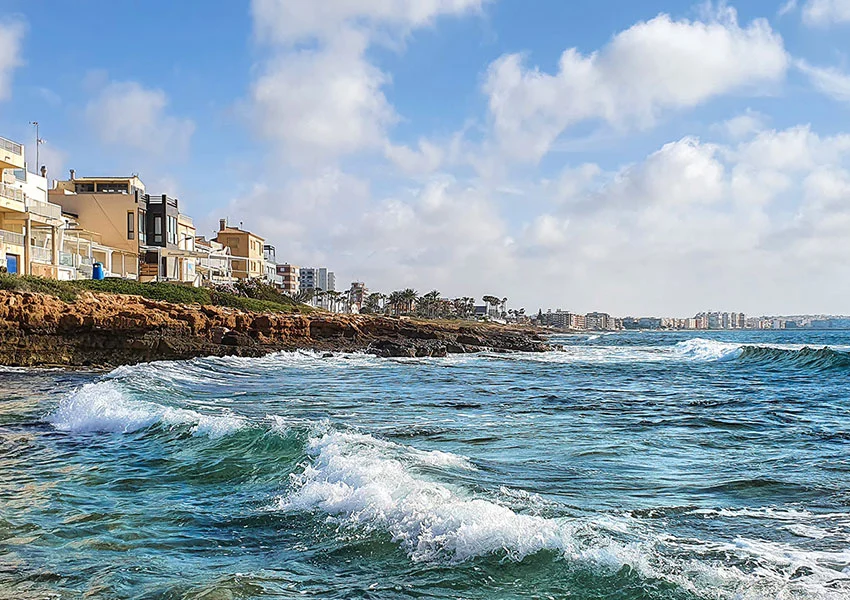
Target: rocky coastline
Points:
(107, 330)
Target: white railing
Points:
(13, 193)
(44, 209)
(43, 255)
(13, 147)
(10, 237)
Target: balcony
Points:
(11, 238)
(11, 154)
(45, 210)
(42, 255)
(12, 198)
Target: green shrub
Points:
(256, 298)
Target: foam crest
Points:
(352, 479)
(700, 349)
(104, 407)
(364, 482)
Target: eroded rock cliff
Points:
(108, 330)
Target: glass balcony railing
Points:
(10, 237)
(13, 147)
(12, 193)
(42, 255)
(44, 209)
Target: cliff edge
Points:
(108, 330)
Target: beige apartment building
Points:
(30, 226)
(246, 250)
(111, 207)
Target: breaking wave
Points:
(803, 358)
(105, 407)
(361, 482)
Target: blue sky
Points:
(637, 157)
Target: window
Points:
(142, 226)
(157, 229)
(112, 188)
(84, 188)
(171, 230)
(131, 222)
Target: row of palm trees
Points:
(409, 302)
(431, 305)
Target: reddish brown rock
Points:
(107, 330)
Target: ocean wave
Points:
(700, 349)
(352, 478)
(104, 407)
(803, 358)
(360, 481)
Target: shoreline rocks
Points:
(106, 330)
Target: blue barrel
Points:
(97, 271)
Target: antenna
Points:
(38, 142)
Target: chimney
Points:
(44, 171)
(222, 224)
(73, 174)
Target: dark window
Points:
(84, 188)
(142, 226)
(131, 222)
(112, 188)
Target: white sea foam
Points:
(358, 480)
(104, 407)
(352, 478)
(700, 349)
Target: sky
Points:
(640, 158)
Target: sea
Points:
(633, 465)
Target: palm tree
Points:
(430, 301)
(304, 296)
(394, 301)
(409, 297)
(492, 301)
(372, 304)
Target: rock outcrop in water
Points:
(107, 330)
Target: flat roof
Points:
(237, 230)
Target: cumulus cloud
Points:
(827, 80)
(754, 220)
(318, 104)
(11, 37)
(757, 224)
(826, 12)
(292, 21)
(126, 114)
(653, 66)
(326, 101)
(743, 125)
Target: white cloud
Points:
(829, 81)
(754, 225)
(326, 101)
(319, 104)
(825, 12)
(293, 21)
(422, 160)
(125, 114)
(788, 7)
(652, 66)
(11, 37)
(743, 125)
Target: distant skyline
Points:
(639, 158)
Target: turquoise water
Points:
(639, 466)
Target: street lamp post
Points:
(38, 142)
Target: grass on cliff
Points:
(265, 297)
